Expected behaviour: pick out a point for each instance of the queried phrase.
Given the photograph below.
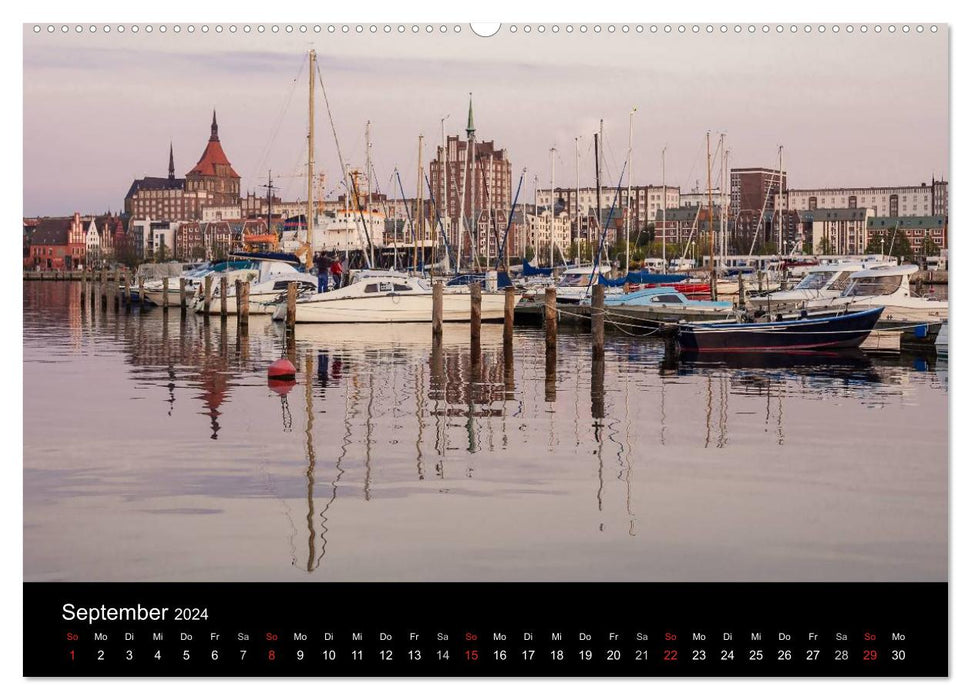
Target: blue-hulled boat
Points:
(846, 330)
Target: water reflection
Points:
(403, 443)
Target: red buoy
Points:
(282, 370)
(281, 386)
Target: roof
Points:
(212, 156)
(52, 231)
(905, 222)
(155, 183)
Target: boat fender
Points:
(282, 370)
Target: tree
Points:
(530, 253)
(928, 248)
(161, 253)
(807, 245)
(825, 246)
(877, 245)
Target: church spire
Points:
(171, 163)
(470, 127)
(214, 134)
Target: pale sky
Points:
(849, 109)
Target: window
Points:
(370, 289)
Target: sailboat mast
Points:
(778, 206)
(308, 255)
(630, 174)
(367, 180)
(552, 198)
(443, 195)
(664, 212)
(596, 158)
(711, 229)
(577, 204)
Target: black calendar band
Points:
(485, 629)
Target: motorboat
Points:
(389, 299)
(269, 280)
(888, 288)
(819, 282)
(846, 329)
(154, 290)
(661, 305)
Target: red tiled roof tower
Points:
(213, 162)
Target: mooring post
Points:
(549, 318)
(182, 304)
(741, 292)
(291, 305)
(550, 383)
(104, 288)
(597, 321)
(165, 295)
(127, 298)
(84, 281)
(510, 311)
(475, 334)
(207, 299)
(141, 291)
(438, 292)
(244, 303)
(223, 292)
(239, 299)
(117, 289)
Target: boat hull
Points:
(826, 333)
(401, 308)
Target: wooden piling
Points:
(223, 292)
(127, 289)
(475, 330)
(510, 311)
(549, 385)
(597, 321)
(549, 318)
(84, 282)
(104, 288)
(438, 292)
(165, 295)
(239, 299)
(741, 292)
(141, 291)
(182, 303)
(207, 299)
(116, 291)
(243, 303)
(291, 304)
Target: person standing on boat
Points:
(320, 265)
(336, 271)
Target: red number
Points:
(72, 654)
(271, 655)
(670, 654)
(869, 654)
(472, 654)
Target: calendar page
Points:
(437, 349)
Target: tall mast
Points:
(367, 180)
(711, 229)
(443, 195)
(308, 256)
(577, 204)
(552, 198)
(664, 212)
(470, 131)
(419, 213)
(778, 206)
(630, 173)
(596, 158)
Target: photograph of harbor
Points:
(565, 303)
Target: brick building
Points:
(916, 228)
(212, 182)
(57, 243)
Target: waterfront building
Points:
(905, 201)
(754, 189)
(58, 243)
(211, 182)
(840, 231)
(646, 201)
(473, 180)
(915, 228)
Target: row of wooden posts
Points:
(438, 290)
(95, 289)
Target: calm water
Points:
(155, 450)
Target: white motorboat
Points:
(659, 305)
(268, 280)
(390, 299)
(819, 282)
(155, 289)
(888, 287)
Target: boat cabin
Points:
(880, 282)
